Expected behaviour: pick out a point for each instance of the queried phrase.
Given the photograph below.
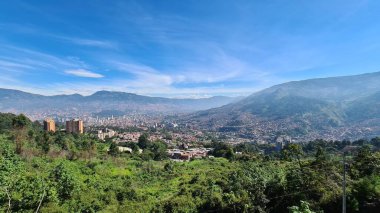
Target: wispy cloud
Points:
(9, 64)
(32, 62)
(81, 41)
(35, 58)
(84, 73)
(5, 80)
(144, 76)
(219, 67)
(88, 42)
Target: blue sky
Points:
(183, 48)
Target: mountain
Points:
(364, 108)
(102, 101)
(330, 108)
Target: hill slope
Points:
(335, 108)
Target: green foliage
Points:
(246, 148)
(158, 149)
(376, 142)
(303, 208)
(20, 121)
(222, 150)
(6, 120)
(366, 163)
(143, 141)
(63, 181)
(151, 150)
(367, 193)
(74, 173)
(113, 150)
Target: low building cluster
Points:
(102, 134)
(127, 137)
(186, 155)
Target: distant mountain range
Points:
(103, 103)
(329, 108)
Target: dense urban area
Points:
(55, 166)
(254, 132)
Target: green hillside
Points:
(310, 105)
(59, 172)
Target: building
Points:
(186, 155)
(124, 149)
(49, 125)
(105, 133)
(74, 126)
(282, 141)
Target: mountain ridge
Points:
(20, 101)
(317, 107)
(101, 92)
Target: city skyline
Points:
(181, 49)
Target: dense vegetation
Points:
(59, 172)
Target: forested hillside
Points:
(59, 172)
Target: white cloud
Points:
(84, 73)
(220, 69)
(197, 78)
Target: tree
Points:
(158, 149)
(114, 151)
(246, 148)
(303, 208)
(135, 148)
(45, 143)
(365, 162)
(376, 142)
(367, 192)
(19, 123)
(230, 154)
(6, 120)
(11, 171)
(177, 204)
(64, 181)
(295, 151)
(322, 161)
(143, 141)
(222, 150)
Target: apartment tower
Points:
(49, 125)
(74, 126)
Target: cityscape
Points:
(178, 141)
(234, 106)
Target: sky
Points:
(183, 48)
